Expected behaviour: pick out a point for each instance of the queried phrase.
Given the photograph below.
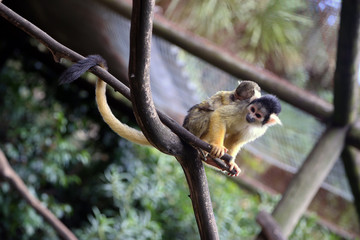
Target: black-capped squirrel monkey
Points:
(220, 120)
(198, 117)
(227, 107)
(232, 126)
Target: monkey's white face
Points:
(255, 115)
(259, 115)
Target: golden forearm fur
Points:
(120, 128)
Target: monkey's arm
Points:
(216, 134)
(223, 135)
(215, 137)
(234, 148)
(123, 130)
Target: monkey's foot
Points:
(233, 165)
(221, 165)
(203, 154)
(218, 151)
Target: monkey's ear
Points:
(274, 119)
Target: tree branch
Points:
(353, 137)
(348, 158)
(309, 178)
(139, 75)
(199, 194)
(154, 130)
(346, 88)
(269, 226)
(58, 51)
(10, 176)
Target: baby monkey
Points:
(231, 124)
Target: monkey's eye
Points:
(258, 115)
(252, 109)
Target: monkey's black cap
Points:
(270, 102)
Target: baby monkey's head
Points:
(247, 90)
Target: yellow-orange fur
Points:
(120, 128)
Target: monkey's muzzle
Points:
(249, 119)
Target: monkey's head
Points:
(247, 90)
(264, 111)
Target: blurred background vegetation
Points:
(104, 187)
(294, 39)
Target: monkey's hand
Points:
(218, 151)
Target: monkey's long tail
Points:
(75, 71)
(120, 128)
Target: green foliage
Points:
(218, 14)
(145, 199)
(308, 228)
(151, 197)
(267, 33)
(38, 141)
(272, 32)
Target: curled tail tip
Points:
(79, 68)
(97, 60)
(68, 76)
